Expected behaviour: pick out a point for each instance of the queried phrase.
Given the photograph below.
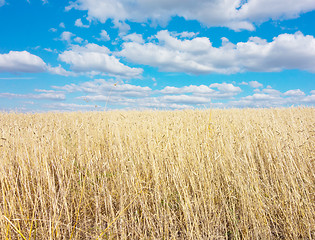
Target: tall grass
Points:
(197, 174)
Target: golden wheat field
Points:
(193, 174)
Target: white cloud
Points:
(23, 61)
(186, 99)
(155, 103)
(115, 95)
(260, 97)
(160, 105)
(2, 2)
(47, 95)
(243, 83)
(122, 26)
(273, 98)
(174, 55)
(48, 49)
(271, 91)
(62, 25)
(255, 84)
(78, 40)
(214, 91)
(294, 93)
(101, 87)
(101, 10)
(66, 36)
(287, 51)
(94, 59)
(70, 107)
(240, 25)
(104, 36)
(60, 71)
(226, 87)
(44, 90)
(53, 30)
(134, 37)
(17, 62)
(163, 102)
(79, 23)
(132, 96)
(187, 34)
(135, 97)
(202, 89)
(309, 99)
(235, 14)
(198, 56)
(261, 100)
(256, 10)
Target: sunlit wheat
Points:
(194, 174)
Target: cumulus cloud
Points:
(134, 37)
(294, 93)
(270, 97)
(101, 87)
(256, 10)
(117, 94)
(2, 2)
(94, 59)
(186, 34)
(104, 36)
(257, 100)
(255, 84)
(235, 14)
(260, 97)
(79, 23)
(66, 36)
(226, 88)
(46, 95)
(25, 62)
(122, 26)
(202, 89)
(186, 99)
(48, 49)
(60, 71)
(133, 96)
(215, 90)
(287, 51)
(196, 95)
(198, 56)
(15, 62)
(155, 103)
(78, 40)
(308, 99)
(175, 55)
(59, 106)
(271, 91)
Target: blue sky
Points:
(146, 54)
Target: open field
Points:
(195, 174)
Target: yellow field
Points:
(197, 174)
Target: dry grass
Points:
(219, 174)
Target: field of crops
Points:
(193, 174)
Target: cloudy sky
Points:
(149, 54)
